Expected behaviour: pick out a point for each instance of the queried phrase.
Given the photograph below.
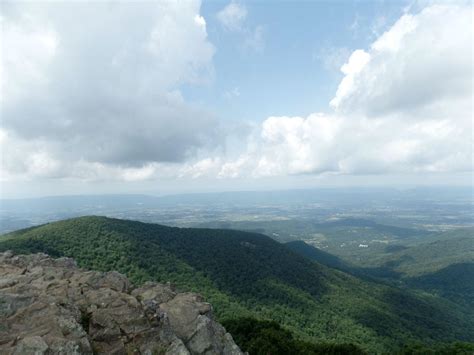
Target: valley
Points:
(369, 273)
(245, 274)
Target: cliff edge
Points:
(50, 306)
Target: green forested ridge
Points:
(455, 348)
(250, 275)
(443, 265)
(262, 337)
(433, 253)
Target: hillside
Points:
(443, 265)
(424, 254)
(246, 274)
(435, 252)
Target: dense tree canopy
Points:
(250, 275)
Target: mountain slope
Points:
(444, 266)
(246, 274)
(433, 255)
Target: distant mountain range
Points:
(348, 195)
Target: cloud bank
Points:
(404, 105)
(98, 84)
(107, 105)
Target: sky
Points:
(189, 96)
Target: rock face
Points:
(50, 306)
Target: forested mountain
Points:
(442, 265)
(250, 275)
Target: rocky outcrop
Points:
(50, 306)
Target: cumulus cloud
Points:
(99, 84)
(108, 106)
(421, 66)
(403, 105)
(322, 143)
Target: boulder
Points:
(50, 306)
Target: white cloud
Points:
(25, 51)
(229, 94)
(332, 58)
(422, 66)
(351, 69)
(202, 168)
(403, 106)
(99, 84)
(233, 16)
(323, 143)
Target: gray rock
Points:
(192, 320)
(151, 291)
(31, 345)
(50, 306)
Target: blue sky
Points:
(303, 46)
(169, 96)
